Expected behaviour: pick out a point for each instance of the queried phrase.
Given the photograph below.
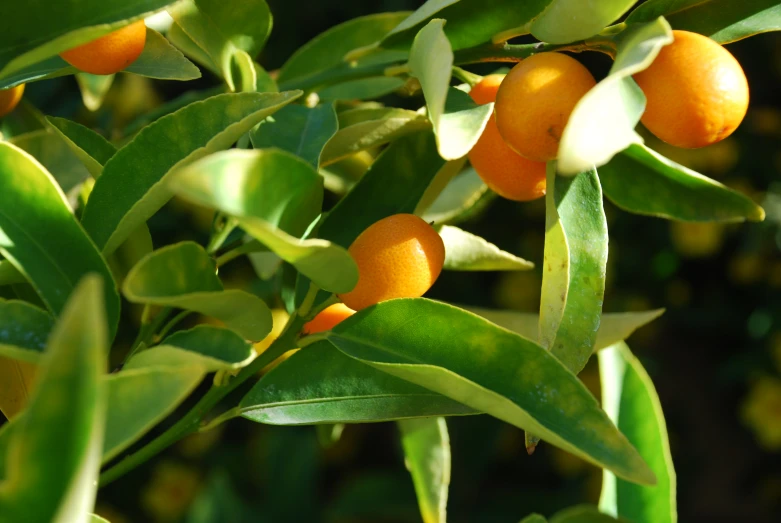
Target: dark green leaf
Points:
(184, 43)
(362, 89)
(534, 518)
(42, 239)
(629, 398)
(132, 187)
(24, 330)
(91, 148)
(426, 446)
(162, 60)
(642, 181)
(167, 108)
(566, 21)
(490, 369)
(466, 252)
(581, 514)
(55, 156)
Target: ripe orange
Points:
(535, 101)
(328, 318)
(506, 172)
(398, 257)
(111, 53)
(697, 92)
(9, 99)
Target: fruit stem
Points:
(466, 76)
(504, 52)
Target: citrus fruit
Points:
(110, 53)
(535, 101)
(328, 318)
(9, 99)
(398, 257)
(506, 172)
(696, 91)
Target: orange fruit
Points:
(506, 172)
(398, 257)
(111, 53)
(9, 99)
(535, 101)
(328, 318)
(696, 91)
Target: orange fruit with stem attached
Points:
(535, 101)
(10, 98)
(400, 256)
(506, 172)
(328, 318)
(111, 53)
(696, 92)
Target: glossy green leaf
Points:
(9, 275)
(629, 398)
(603, 121)
(327, 50)
(458, 122)
(184, 43)
(574, 265)
(566, 21)
(465, 195)
(91, 148)
(581, 514)
(490, 369)
(444, 176)
(613, 327)
(362, 89)
(273, 196)
(168, 107)
(162, 61)
(94, 88)
(132, 187)
(24, 330)
(183, 275)
(723, 20)
(300, 130)
(54, 155)
(42, 239)
(243, 73)
(642, 181)
(319, 384)
(222, 29)
(67, 24)
(361, 129)
(51, 475)
(466, 252)
(426, 445)
(469, 22)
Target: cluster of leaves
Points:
(71, 243)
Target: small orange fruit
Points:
(9, 99)
(535, 101)
(111, 53)
(506, 172)
(398, 257)
(696, 91)
(328, 318)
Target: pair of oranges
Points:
(108, 54)
(696, 92)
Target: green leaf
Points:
(642, 181)
(51, 475)
(300, 130)
(162, 61)
(465, 195)
(581, 514)
(273, 196)
(91, 148)
(362, 89)
(490, 369)
(469, 22)
(66, 25)
(184, 43)
(24, 330)
(458, 122)
(573, 270)
(94, 88)
(361, 129)
(426, 446)
(205, 346)
(9, 275)
(723, 20)
(54, 155)
(319, 384)
(613, 327)
(566, 21)
(167, 108)
(466, 252)
(42, 239)
(327, 50)
(603, 121)
(534, 518)
(221, 29)
(94, 518)
(629, 398)
(132, 187)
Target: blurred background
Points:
(715, 355)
